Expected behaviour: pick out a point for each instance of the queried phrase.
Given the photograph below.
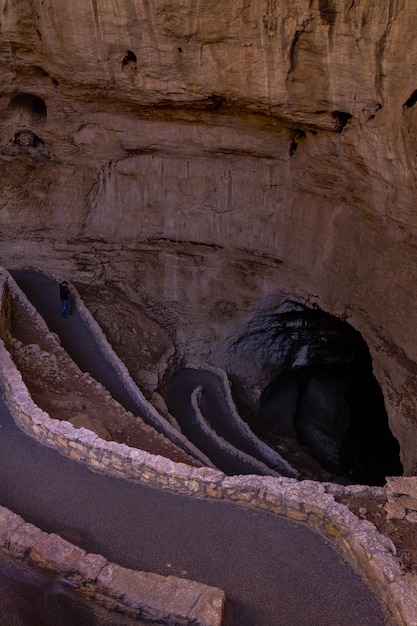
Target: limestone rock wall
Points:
(213, 156)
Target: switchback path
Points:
(216, 412)
(275, 572)
(75, 336)
(177, 397)
(82, 347)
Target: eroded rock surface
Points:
(61, 389)
(216, 160)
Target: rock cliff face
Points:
(217, 158)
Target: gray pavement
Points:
(75, 336)
(177, 397)
(80, 344)
(217, 413)
(275, 572)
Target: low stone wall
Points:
(268, 454)
(167, 600)
(307, 501)
(148, 411)
(222, 444)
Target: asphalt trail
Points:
(82, 347)
(275, 572)
(215, 410)
(177, 397)
(75, 336)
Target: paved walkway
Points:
(80, 344)
(75, 336)
(217, 413)
(177, 396)
(275, 572)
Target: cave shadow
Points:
(320, 393)
(337, 414)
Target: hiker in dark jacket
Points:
(64, 296)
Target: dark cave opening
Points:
(321, 393)
(129, 57)
(411, 101)
(29, 106)
(129, 63)
(337, 414)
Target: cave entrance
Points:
(129, 63)
(322, 395)
(28, 109)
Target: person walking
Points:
(64, 295)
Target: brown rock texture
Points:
(211, 158)
(59, 387)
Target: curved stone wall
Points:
(307, 501)
(239, 153)
(179, 601)
(258, 467)
(242, 154)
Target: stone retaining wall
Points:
(168, 600)
(147, 411)
(269, 454)
(307, 501)
(222, 444)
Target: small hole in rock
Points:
(129, 57)
(408, 104)
(341, 118)
(293, 147)
(28, 109)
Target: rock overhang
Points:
(286, 132)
